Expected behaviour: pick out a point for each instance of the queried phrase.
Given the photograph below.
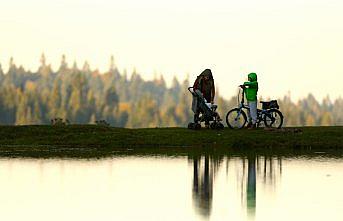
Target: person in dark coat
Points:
(205, 84)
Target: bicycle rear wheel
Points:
(236, 118)
(273, 118)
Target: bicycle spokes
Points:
(273, 118)
(236, 118)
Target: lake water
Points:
(173, 188)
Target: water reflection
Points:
(251, 187)
(202, 185)
(204, 170)
(252, 169)
(206, 187)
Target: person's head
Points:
(252, 77)
(207, 74)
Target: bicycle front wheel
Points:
(273, 118)
(236, 118)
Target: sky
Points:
(294, 46)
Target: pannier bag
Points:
(270, 104)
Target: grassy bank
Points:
(96, 141)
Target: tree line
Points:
(84, 96)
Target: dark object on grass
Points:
(59, 122)
(102, 123)
(284, 130)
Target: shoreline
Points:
(97, 141)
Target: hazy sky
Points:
(292, 45)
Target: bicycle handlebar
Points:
(243, 91)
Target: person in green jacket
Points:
(250, 88)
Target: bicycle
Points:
(236, 118)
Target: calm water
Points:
(173, 188)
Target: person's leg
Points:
(249, 116)
(208, 99)
(207, 123)
(206, 119)
(253, 112)
(196, 117)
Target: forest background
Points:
(84, 96)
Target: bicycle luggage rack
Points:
(270, 104)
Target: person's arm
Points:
(247, 83)
(250, 84)
(196, 84)
(213, 92)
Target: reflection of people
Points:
(205, 169)
(202, 186)
(251, 88)
(205, 84)
(251, 187)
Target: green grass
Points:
(96, 141)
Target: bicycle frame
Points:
(269, 114)
(260, 112)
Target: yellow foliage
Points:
(30, 86)
(310, 121)
(123, 106)
(326, 119)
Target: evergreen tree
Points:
(21, 113)
(44, 70)
(1, 74)
(326, 119)
(64, 65)
(83, 96)
(310, 120)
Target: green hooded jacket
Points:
(252, 87)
